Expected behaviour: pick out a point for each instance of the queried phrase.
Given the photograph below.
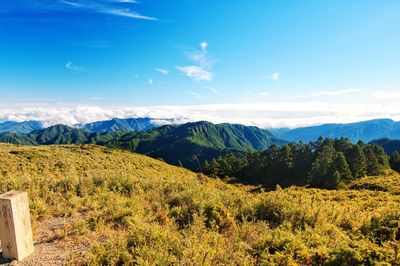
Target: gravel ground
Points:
(50, 249)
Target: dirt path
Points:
(50, 248)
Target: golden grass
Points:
(137, 210)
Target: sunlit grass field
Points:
(135, 210)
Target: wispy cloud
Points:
(111, 7)
(74, 67)
(323, 93)
(202, 70)
(151, 81)
(124, 13)
(162, 71)
(196, 73)
(263, 94)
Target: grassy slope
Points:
(135, 209)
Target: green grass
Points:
(137, 210)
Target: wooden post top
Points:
(15, 225)
(11, 194)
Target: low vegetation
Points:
(138, 210)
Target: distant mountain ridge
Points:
(188, 145)
(129, 124)
(20, 127)
(115, 124)
(364, 130)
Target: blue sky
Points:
(262, 62)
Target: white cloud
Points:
(204, 45)
(274, 76)
(162, 71)
(151, 81)
(200, 58)
(385, 94)
(262, 114)
(125, 13)
(71, 3)
(106, 7)
(331, 93)
(263, 94)
(196, 73)
(74, 67)
(202, 71)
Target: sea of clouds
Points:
(265, 115)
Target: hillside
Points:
(192, 143)
(92, 205)
(365, 131)
(15, 138)
(59, 134)
(188, 144)
(389, 145)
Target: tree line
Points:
(325, 163)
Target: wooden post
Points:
(15, 225)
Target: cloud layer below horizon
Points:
(264, 115)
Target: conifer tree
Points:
(357, 162)
(373, 167)
(341, 167)
(395, 161)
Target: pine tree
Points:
(321, 174)
(395, 161)
(341, 167)
(373, 167)
(357, 162)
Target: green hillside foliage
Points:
(193, 143)
(188, 145)
(389, 145)
(325, 163)
(129, 124)
(15, 138)
(59, 134)
(130, 209)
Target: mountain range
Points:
(188, 145)
(365, 131)
(20, 127)
(115, 124)
(191, 144)
(129, 124)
